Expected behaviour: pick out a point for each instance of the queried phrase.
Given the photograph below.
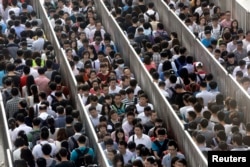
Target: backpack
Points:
(173, 93)
(150, 16)
(44, 122)
(80, 161)
(74, 141)
(7, 95)
(162, 147)
(163, 35)
(53, 164)
(201, 79)
(35, 138)
(54, 100)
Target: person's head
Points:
(147, 111)
(137, 163)
(130, 117)
(150, 161)
(118, 160)
(122, 147)
(200, 139)
(218, 127)
(198, 107)
(27, 155)
(46, 149)
(78, 127)
(93, 112)
(172, 147)
(180, 162)
(191, 115)
(41, 162)
(109, 143)
(204, 123)
(20, 118)
(161, 134)
(63, 152)
(81, 140)
(237, 139)
(143, 99)
(44, 133)
(138, 129)
(221, 135)
(245, 82)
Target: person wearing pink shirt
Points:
(227, 21)
(149, 64)
(42, 81)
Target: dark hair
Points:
(46, 149)
(138, 163)
(117, 158)
(82, 139)
(29, 81)
(27, 155)
(41, 162)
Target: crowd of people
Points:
(44, 127)
(214, 121)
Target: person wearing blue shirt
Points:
(3, 27)
(81, 142)
(160, 144)
(208, 39)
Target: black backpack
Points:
(7, 95)
(74, 141)
(80, 161)
(150, 16)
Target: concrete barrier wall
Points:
(6, 142)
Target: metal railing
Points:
(161, 105)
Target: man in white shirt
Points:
(94, 102)
(94, 116)
(113, 88)
(127, 155)
(143, 102)
(241, 67)
(37, 45)
(61, 6)
(139, 137)
(150, 12)
(44, 139)
(231, 46)
(21, 126)
(204, 94)
(145, 116)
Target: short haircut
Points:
(78, 126)
(172, 143)
(46, 149)
(200, 139)
(63, 152)
(204, 123)
(82, 139)
(123, 143)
